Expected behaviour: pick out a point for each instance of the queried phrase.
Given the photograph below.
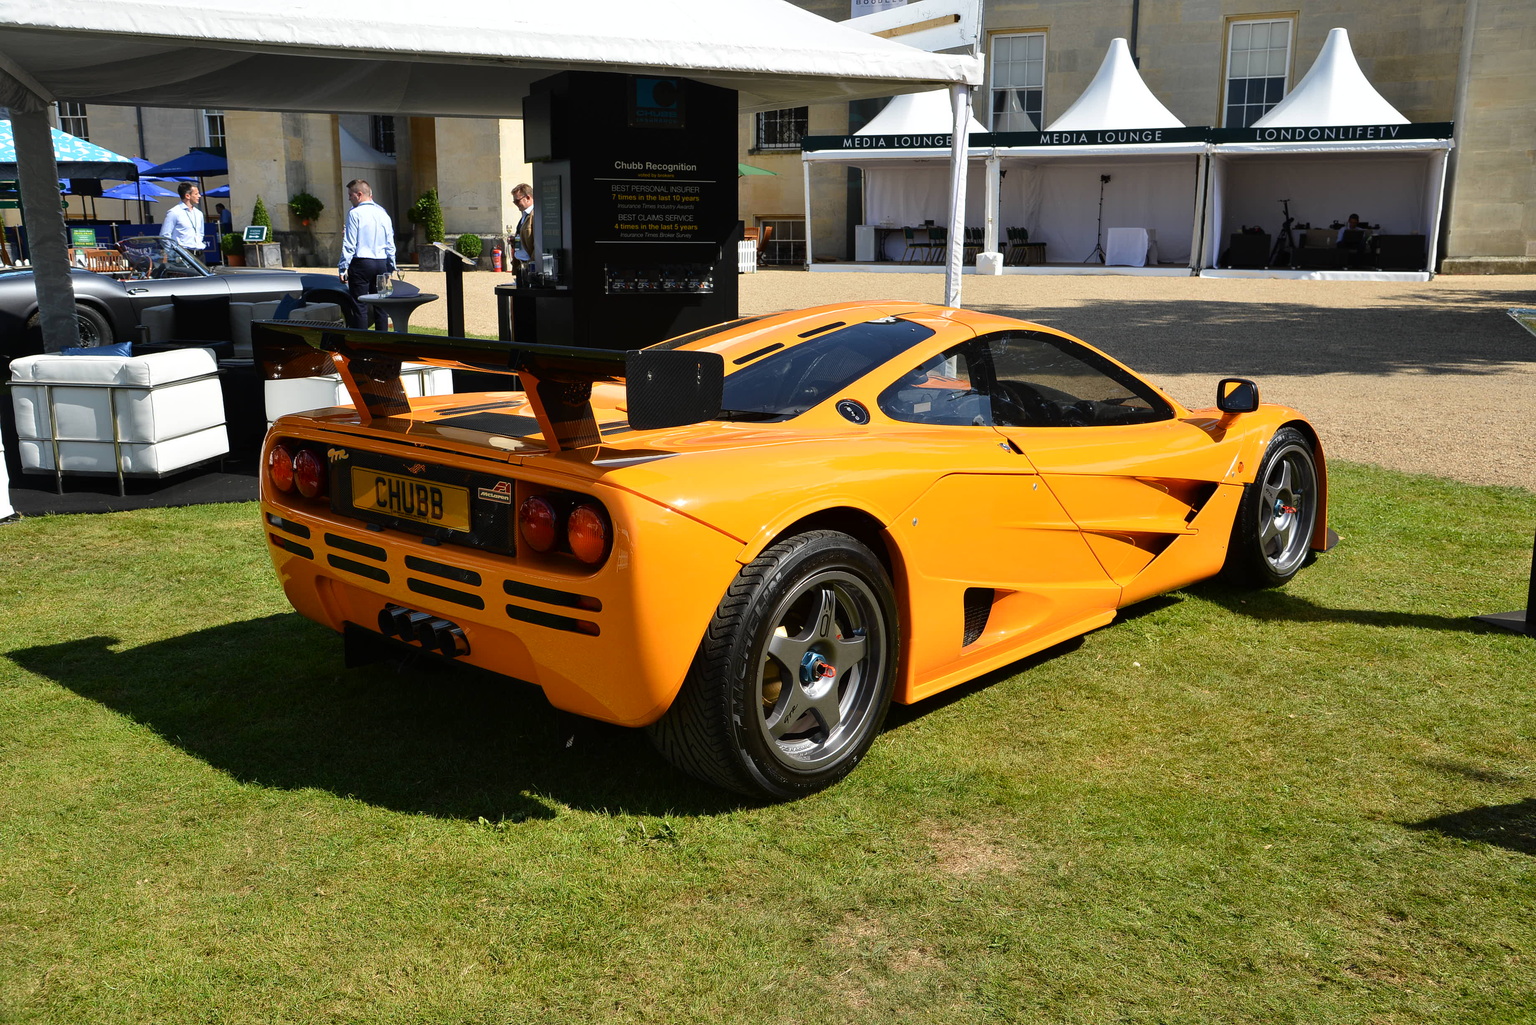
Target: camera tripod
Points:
(1285, 246)
(1098, 243)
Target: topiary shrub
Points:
(261, 217)
(229, 244)
(469, 245)
(428, 213)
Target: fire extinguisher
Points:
(496, 259)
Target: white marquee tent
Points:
(904, 154)
(1115, 128)
(1332, 147)
(455, 60)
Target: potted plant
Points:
(233, 249)
(470, 246)
(268, 253)
(305, 207)
(427, 214)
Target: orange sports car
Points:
(750, 540)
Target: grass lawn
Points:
(1310, 805)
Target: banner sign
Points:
(1336, 133)
(914, 140)
(862, 7)
(1095, 137)
(1134, 137)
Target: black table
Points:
(398, 307)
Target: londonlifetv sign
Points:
(1336, 133)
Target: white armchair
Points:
(122, 416)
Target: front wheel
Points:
(95, 329)
(1275, 521)
(794, 676)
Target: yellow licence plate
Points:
(441, 505)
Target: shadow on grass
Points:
(1512, 826)
(1278, 605)
(269, 702)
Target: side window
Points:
(942, 390)
(1041, 380)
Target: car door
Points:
(994, 566)
(1134, 477)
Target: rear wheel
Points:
(794, 676)
(1272, 536)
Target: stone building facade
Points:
(1466, 61)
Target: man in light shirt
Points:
(367, 246)
(184, 223)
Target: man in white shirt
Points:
(367, 246)
(184, 223)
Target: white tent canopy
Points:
(1115, 128)
(1116, 98)
(904, 153)
(454, 59)
(397, 58)
(1334, 91)
(1332, 147)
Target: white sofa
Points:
(122, 416)
(298, 394)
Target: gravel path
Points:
(1430, 377)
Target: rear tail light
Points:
(292, 466)
(537, 520)
(280, 467)
(309, 473)
(560, 521)
(587, 533)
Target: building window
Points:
(382, 128)
(72, 120)
(213, 128)
(786, 243)
(781, 129)
(1018, 82)
(1258, 56)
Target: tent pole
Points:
(806, 164)
(960, 93)
(994, 192)
(47, 241)
(1197, 230)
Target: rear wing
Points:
(666, 388)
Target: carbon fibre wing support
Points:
(666, 388)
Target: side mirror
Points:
(1237, 395)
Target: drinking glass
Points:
(384, 285)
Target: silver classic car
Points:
(151, 271)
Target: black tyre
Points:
(95, 329)
(1272, 537)
(794, 676)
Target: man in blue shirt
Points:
(184, 222)
(367, 246)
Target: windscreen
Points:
(788, 381)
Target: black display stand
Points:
(1524, 621)
(634, 191)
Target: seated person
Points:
(1352, 235)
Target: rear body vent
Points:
(978, 607)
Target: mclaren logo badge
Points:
(502, 493)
